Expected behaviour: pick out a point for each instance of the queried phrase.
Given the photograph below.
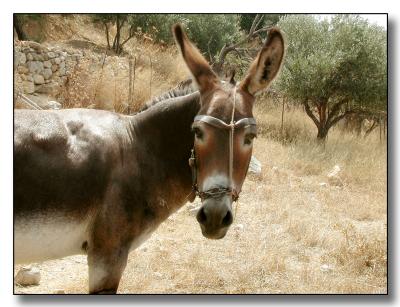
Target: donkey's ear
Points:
(205, 78)
(266, 65)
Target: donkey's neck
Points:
(164, 132)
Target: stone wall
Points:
(43, 70)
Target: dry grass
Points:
(95, 85)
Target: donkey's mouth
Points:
(214, 234)
(215, 217)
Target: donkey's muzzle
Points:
(215, 217)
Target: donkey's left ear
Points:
(205, 78)
(266, 66)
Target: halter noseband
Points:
(218, 192)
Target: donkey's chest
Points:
(48, 237)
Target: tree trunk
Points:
(283, 112)
(384, 128)
(322, 106)
(130, 87)
(118, 34)
(118, 42)
(321, 119)
(18, 29)
(322, 127)
(372, 128)
(108, 36)
(322, 133)
(151, 74)
(115, 42)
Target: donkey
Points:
(99, 183)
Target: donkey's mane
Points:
(183, 88)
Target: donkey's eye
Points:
(248, 139)
(197, 132)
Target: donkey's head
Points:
(224, 129)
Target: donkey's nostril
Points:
(201, 216)
(228, 219)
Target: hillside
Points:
(101, 79)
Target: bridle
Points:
(218, 192)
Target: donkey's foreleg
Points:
(107, 252)
(105, 269)
(109, 243)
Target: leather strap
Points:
(220, 124)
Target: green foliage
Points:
(209, 31)
(156, 25)
(212, 31)
(343, 59)
(360, 72)
(246, 20)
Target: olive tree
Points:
(212, 31)
(334, 68)
(119, 21)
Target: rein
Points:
(218, 192)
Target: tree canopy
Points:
(334, 68)
(210, 31)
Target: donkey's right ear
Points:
(205, 78)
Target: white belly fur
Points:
(48, 237)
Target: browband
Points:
(216, 122)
